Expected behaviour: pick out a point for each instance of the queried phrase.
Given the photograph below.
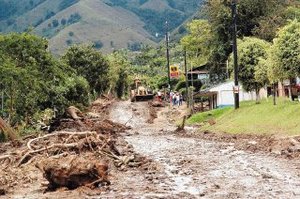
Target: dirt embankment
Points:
(284, 147)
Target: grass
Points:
(252, 118)
(203, 117)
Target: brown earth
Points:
(188, 164)
(82, 153)
(207, 165)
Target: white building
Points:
(225, 95)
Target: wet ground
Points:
(183, 165)
(188, 167)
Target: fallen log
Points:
(74, 171)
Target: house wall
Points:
(226, 96)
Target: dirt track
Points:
(196, 168)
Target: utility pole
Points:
(192, 90)
(186, 80)
(168, 56)
(235, 55)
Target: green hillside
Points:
(109, 24)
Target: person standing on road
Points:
(171, 97)
(159, 96)
(174, 99)
(180, 99)
(177, 99)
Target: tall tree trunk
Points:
(257, 95)
(290, 90)
(274, 94)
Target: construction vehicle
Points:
(140, 93)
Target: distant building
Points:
(225, 95)
(198, 74)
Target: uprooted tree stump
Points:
(73, 172)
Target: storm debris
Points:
(79, 152)
(74, 171)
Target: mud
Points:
(177, 165)
(188, 166)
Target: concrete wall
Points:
(225, 94)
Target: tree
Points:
(55, 23)
(34, 80)
(279, 16)
(91, 64)
(251, 51)
(250, 21)
(286, 52)
(199, 41)
(150, 62)
(118, 73)
(63, 21)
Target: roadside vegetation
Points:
(33, 82)
(252, 118)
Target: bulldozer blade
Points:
(143, 97)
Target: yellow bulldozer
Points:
(140, 92)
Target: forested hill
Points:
(109, 24)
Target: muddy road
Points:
(185, 167)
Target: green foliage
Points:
(89, 63)
(33, 80)
(134, 46)
(199, 41)
(98, 44)
(74, 90)
(55, 23)
(205, 116)
(250, 51)
(155, 19)
(261, 72)
(63, 21)
(71, 34)
(286, 50)
(278, 16)
(150, 61)
(74, 18)
(49, 14)
(180, 85)
(66, 3)
(118, 73)
(255, 17)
